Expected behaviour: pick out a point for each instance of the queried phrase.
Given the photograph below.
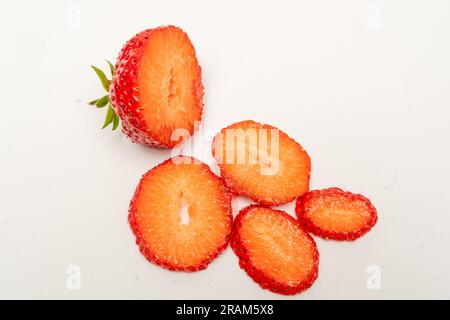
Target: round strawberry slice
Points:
(262, 162)
(336, 214)
(156, 88)
(181, 215)
(274, 251)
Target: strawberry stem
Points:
(111, 116)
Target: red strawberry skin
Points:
(260, 277)
(124, 88)
(307, 224)
(146, 252)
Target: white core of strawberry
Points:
(184, 212)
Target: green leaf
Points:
(103, 101)
(93, 102)
(111, 68)
(103, 78)
(115, 122)
(109, 117)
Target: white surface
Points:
(364, 86)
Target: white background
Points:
(363, 85)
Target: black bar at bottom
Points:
(223, 309)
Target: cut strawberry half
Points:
(274, 250)
(181, 215)
(336, 214)
(156, 88)
(262, 162)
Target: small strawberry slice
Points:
(274, 251)
(336, 214)
(181, 215)
(262, 162)
(156, 89)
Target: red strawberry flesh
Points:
(181, 215)
(336, 214)
(274, 251)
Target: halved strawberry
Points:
(156, 89)
(262, 162)
(274, 251)
(336, 214)
(181, 215)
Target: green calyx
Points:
(111, 116)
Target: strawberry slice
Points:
(156, 89)
(262, 162)
(274, 251)
(181, 215)
(336, 214)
